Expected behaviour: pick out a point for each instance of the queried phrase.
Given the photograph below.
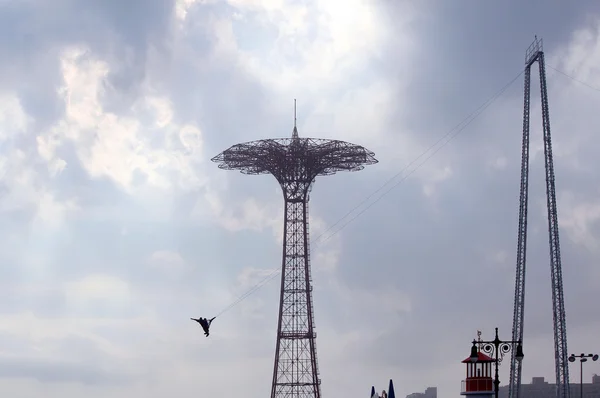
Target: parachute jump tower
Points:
(535, 53)
(295, 163)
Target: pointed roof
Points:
(481, 357)
(391, 393)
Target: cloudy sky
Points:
(117, 228)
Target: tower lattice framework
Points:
(295, 163)
(534, 54)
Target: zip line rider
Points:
(204, 323)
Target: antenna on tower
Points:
(295, 132)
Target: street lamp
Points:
(498, 348)
(582, 358)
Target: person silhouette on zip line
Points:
(204, 323)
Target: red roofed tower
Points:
(479, 381)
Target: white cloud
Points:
(252, 215)
(169, 261)
(297, 55)
(581, 56)
(98, 293)
(578, 217)
(24, 186)
(362, 116)
(51, 211)
(19, 178)
(44, 332)
(146, 140)
(13, 119)
(182, 7)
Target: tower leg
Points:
(558, 302)
(295, 373)
(519, 303)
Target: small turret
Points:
(479, 382)
(391, 393)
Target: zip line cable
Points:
(472, 117)
(457, 129)
(445, 139)
(573, 78)
(250, 291)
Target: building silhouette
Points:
(539, 388)
(430, 392)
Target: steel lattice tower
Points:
(535, 53)
(295, 163)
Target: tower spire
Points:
(295, 132)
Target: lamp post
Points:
(498, 349)
(582, 358)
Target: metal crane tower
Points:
(295, 163)
(535, 53)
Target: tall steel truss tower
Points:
(535, 53)
(295, 163)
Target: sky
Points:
(117, 227)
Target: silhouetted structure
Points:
(539, 388)
(389, 394)
(479, 382)
(295, 163)
(430, 392)
(535, 53)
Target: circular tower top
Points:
(295, 162)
